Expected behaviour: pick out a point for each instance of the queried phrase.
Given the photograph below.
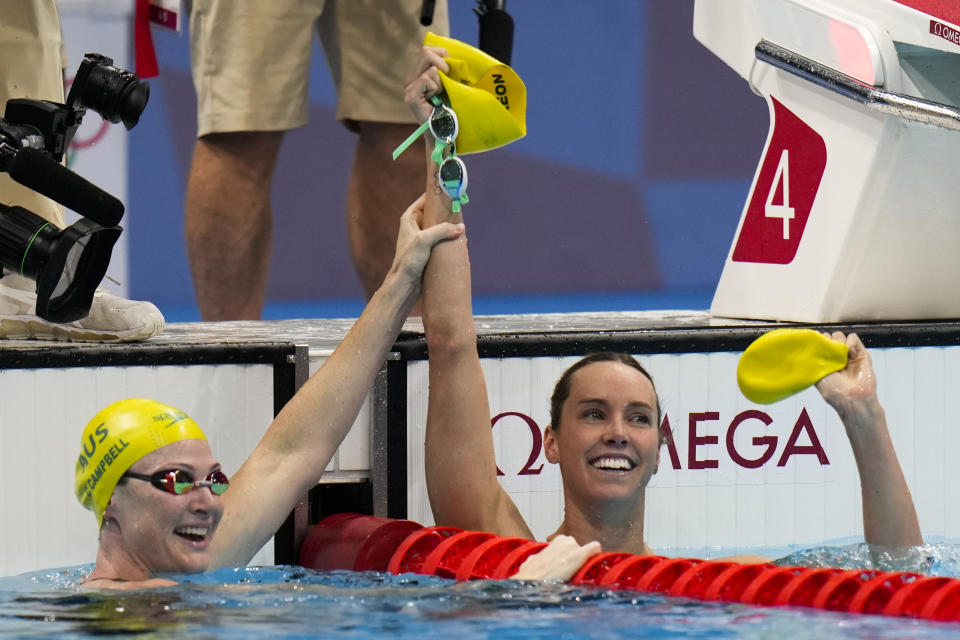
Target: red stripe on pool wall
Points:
(948, 10)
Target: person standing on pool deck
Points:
(605, 415)
(250, 64)
(148, 473)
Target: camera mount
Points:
(67, 265)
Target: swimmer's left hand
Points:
(414, 243)
(853, 384)
(559, 560)
(424, 82)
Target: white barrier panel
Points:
(351, 461)
(853, 212)
(738, 476)
(42, 414)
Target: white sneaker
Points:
(111, 319)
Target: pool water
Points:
(291, 602)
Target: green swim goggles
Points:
(444, 126)
(452, 177)
(442, 123)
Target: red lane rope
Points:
(597, 566)
(351, 541)
(485, 558)
(446, 558)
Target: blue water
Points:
(291, 602)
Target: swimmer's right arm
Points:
(460, 464)
(292, 454)
(889, 515)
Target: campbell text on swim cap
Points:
(489, 98)
(117, 437)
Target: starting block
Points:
(854, 210)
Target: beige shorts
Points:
(31, 66)
(251, 59)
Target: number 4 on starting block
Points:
(782, 179)
(771, 233)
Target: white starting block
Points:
(854, 211)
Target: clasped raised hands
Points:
(414, 243)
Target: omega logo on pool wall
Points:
(763, 450)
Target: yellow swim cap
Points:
(120, 435)
(489, 97)
(783, 362)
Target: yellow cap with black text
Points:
(117, 437)
(489, 98)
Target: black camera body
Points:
(117, 95)
(39, 124)
(67, 265)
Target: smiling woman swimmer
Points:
(163, 504)
(605, 416)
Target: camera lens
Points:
(117, 95)
(67, 265)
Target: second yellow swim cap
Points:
(783, 362)
(488, 96)
(117, 437)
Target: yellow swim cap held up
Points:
(783, 362)
(489, 97)
(117, 437)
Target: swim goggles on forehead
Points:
(180, 482)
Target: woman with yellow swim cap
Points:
(605, 417)
(163, 504)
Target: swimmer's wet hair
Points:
(562, 389)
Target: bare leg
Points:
(380, 188)
(228, 222)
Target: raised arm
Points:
(460, 466)
(889, 516)
(292, 454)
